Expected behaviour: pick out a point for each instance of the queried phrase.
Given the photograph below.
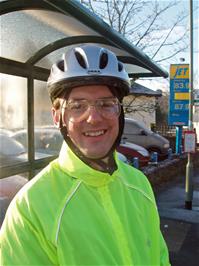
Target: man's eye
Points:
(108, 103)
(77, 106)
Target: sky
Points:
(167, 20)
(155, 83)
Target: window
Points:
(48, 139)
(13, 110)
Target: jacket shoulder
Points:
(135, 179)
(41, 200)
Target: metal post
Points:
(181, 149)
(178, 138)
(170, 154)
(30, 108)
(136, 162)
(189, 166)
(154, 157)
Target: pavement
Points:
(180, 226)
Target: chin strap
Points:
(106, 164)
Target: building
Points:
(141, 104)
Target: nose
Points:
(93, 115)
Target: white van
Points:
(138, 133)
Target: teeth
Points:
(94, 134)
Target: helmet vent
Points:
(103, 60)
(80, 59)
(61, 65)
(120, 66)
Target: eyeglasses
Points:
(78, 110)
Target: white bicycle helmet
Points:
(88, 65)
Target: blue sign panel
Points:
(178, 118)
(179, 95)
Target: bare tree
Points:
(148, 25)
(145, 24)
(132, 105)
(162, 109)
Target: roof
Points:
(41, 29)
(138, 89)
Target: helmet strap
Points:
(105, 164)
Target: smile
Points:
(94, 133)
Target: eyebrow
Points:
(101, 98)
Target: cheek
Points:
(73, 130)
(116, 131)
(115, 126)
(70, 127)
(68, 124)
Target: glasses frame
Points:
(90, 103)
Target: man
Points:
(86, 207)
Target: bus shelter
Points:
(34, 35)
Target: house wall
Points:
(196, 120)
(142, 109)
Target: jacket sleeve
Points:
(22, 241)
(164, 254)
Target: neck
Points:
(106, 164)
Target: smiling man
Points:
(95, 131)
(86, 207)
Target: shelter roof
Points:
(36, 33)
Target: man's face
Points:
(95, 134)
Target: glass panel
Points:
(9, 186)
(25, 32)
(48, 139)
(51, 58)
(13, 119)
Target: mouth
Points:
(94, 133)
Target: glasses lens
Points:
(78, 110)
(108, 108)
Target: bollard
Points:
(136, 162)
(181, 149)
(170, 154)
(154, 157)
(178, 138)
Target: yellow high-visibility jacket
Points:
(71, 214)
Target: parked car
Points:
(6, 132)
(131, 150)
(47, 139)
(13, 152)
(10, 149)
(137, 133)
(122, 157)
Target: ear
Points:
(56, 116)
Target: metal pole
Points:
(178, 139)
(30, 108)
(189, 166)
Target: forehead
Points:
(90, 92)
